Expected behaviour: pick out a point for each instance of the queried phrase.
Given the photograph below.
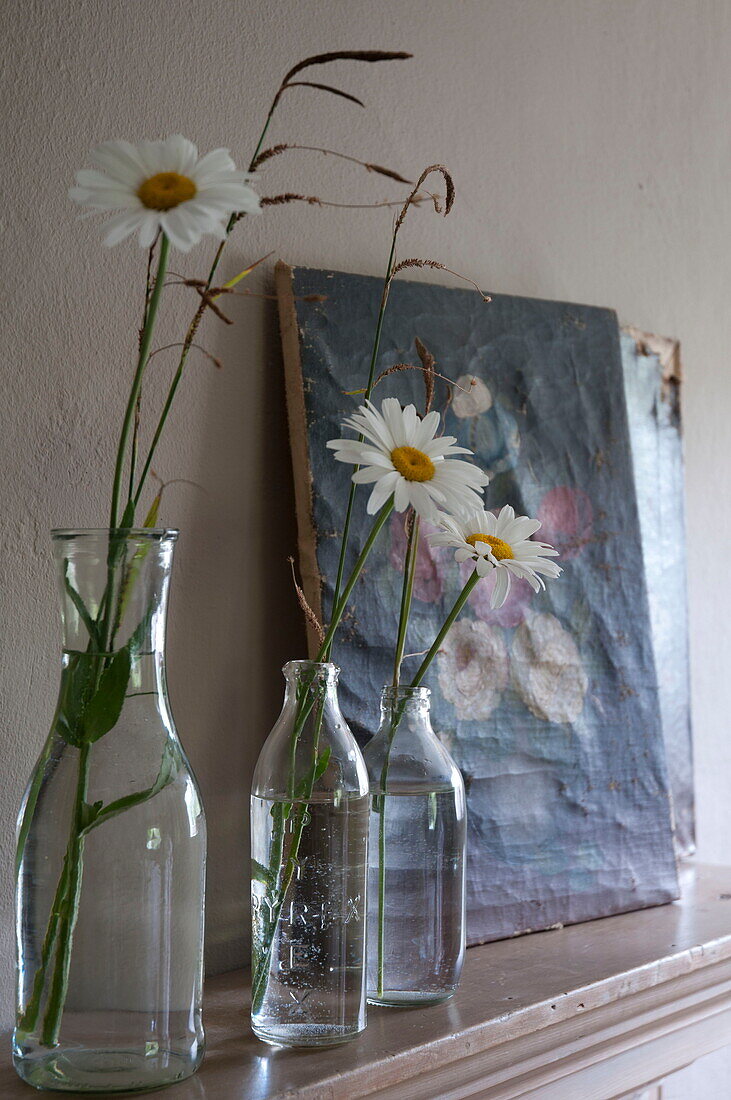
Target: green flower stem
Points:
(366, 396)
(406, 597)
(448, 622)
(29, 1018)
(280, 873)
(396, 717)
(142, 359)
(69, 909)
(340, 604)
(285, 871)
(382, 874)
(166, 410)
(304, 706)
(57, 920)
(193, 326)
(64, 908)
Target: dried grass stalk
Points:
(428, 364)
(181, 344)
(277, 150)
(346, 55)
(309, 614)
(436, 265)
(314, 200)
(326, 88)
(450, 193)
(326, 59)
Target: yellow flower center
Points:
(166, 190)
(499, 548)
(412, 464)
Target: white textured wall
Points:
(590, 143)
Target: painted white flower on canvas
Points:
(473, 668)
(547, 671)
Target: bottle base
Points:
(305, 1035)
(408, 998)
(82, 1070)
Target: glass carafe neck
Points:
(113, 588)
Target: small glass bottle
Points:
(416, 907)
(309, 849)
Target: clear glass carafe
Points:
(416, 876)
(309, 840)
(112, 841)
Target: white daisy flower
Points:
(402, 454)
(164, 185)
(500, 542)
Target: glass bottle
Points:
(309, 840)
(416, 908)
(111, 841)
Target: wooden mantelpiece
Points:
(593, 1011)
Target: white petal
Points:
(464, 554)
(148, 229)
(179, 155)
(525, 574)
(426, 430)
(483, 567)
(501, 589)
(121, 161)
(505, 517)
(121, 226)
(411, 423)
(212, 165)
(394, 420)
(421, 500)
(401, 497)
(367, 475)
(521, 528)
(381, 492)
(180, 230)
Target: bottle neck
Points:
(310, 751)
(311, 685)
(405, 711)
(113, 593)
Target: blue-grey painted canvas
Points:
(652, 388)
(549, 704)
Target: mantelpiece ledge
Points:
(598, 1009)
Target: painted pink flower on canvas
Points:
(567, 519)
(427, 580)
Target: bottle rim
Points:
(324, 671)
(389, 693)
(152, 534)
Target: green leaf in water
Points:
(89, 814)
(432, 809)
(169, 766)
(81, 608)
(262, 874)
(128, 516)
(105, 706)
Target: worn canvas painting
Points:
(652, 378)
(550, 704)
